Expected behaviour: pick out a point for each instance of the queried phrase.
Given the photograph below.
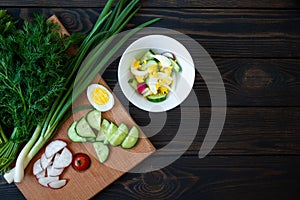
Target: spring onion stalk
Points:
(19, 174)
(109, 23)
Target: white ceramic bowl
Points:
(184, 80)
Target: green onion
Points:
(109, 23)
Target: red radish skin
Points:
(169, 54)
(54, 147)
(141, 87)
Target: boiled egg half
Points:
(100, 97)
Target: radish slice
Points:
(146, 92)
(52, 171)
(169, 55)
(56, 157)
(141, 87)
(45, 162)
(57, 184)
(64, 160)
(44, 181)
(37, 167)
(41, 174)
(54, 147)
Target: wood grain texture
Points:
(214, 177)
(156, 3)
(247, 130)
(255, 45)
(223, 33)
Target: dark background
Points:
(256, 46)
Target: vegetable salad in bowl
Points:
(153, 75)
(156, 73)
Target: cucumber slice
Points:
(133, 83)
(157, 97)
(94, 119)
(175, 65)
(102, 151)
(147, 64)
(112, 129)
(83, 129)
(131, 139)
(91, 139)
(147, 81)
(73, 135)
(148, 55)
(101, 136)
(123, 128)
(117, 138)
(105, 124)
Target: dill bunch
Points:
(32, 74)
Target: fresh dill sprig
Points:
(32, 75)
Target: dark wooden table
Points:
(256, 46)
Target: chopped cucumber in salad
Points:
(153, 75)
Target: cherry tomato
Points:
(81, 162)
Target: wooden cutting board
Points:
(84, 185)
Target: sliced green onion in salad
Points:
(153, 75)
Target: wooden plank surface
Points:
(223, 33)
(255, 45)
(274, 130)
(156, 3)
(214, 177)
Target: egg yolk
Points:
(167, 70)
(99, 96)
(152, 68)
(163, 90)
(136, 64)
(165, 81)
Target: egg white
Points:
(104, 107)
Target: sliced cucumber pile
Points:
(90, 129)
